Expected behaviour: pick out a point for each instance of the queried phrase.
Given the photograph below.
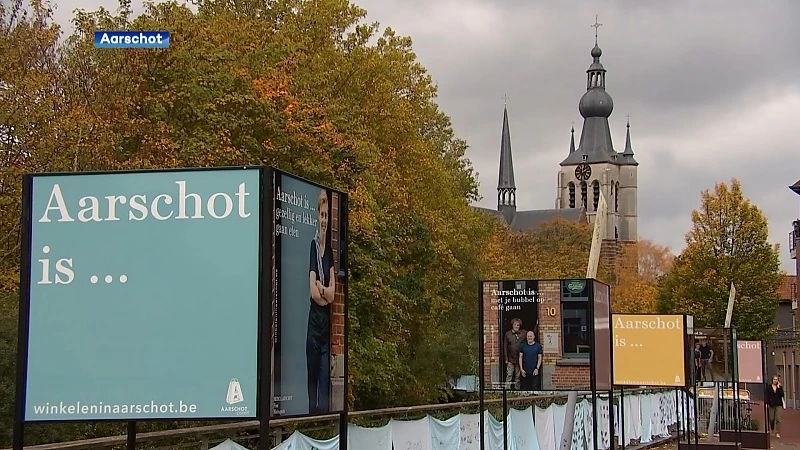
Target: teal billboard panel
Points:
(144, 295)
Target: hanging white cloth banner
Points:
(228, 444)
(645, 419)
(524, 434)
(636, 416)
(668, 413)
(578, 430)
(363, 438)
(493, 433)
(588, 424)
(304, 442)
(540, 431)
(559, 413)
(545, 428)
(299, 441)
(604, 422)
(290, 443)
(657, 414)
(445, 434)
(411, 434)
(470, 433)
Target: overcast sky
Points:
(712, 89)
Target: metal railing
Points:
(246, 433)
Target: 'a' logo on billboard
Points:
(234, 392)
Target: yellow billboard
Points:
(649, 350)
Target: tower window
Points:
(616, 198)
(596, 192)
(616, 233)
(571, 194)
(612, 191)
(583, 194)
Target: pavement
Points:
(790, 431)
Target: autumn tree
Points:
(557, 248)
(728, 243)
(307, 87)
(640, 267)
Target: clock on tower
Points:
(583, 171)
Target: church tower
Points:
(594, 166)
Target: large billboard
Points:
(142, 295)
(308, 353)
(538, 335)
(649, 350)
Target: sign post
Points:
(712, 421)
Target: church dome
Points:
(596, 103)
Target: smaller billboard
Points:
(648, 350)
(750, 361)
(713, 354)
(308, 335)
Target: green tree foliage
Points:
(728, 243)
(305, 86)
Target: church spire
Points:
(572, 139)
(628, 153)
(506, 187)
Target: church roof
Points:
(524, 221)
(795, 187)
(596, 106)
(528, 220)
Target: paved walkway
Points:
(790, 431)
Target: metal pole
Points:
(622, 418)
(267, 284)
(344, 256)
(131, 444)
(481, 367)
(505, 420)
(785, 370)
(784, 367)
(677, 409)
(611, 444)
(794, 382)
(695, 420)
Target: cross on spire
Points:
(596, 25)
(629, 120)
(505, 99)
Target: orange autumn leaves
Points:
(640, 267)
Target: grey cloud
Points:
(677, 67)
